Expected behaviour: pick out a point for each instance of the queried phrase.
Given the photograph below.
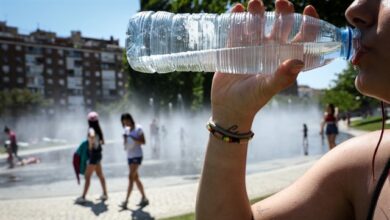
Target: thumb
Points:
(286, 74)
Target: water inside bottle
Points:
(253, 59)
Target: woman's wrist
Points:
(228, 118)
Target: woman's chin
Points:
(371, 89)
(360, 84)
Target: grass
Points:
(371, 123)
(191, 216)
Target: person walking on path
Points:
(12, 148)
(94, 144)
(305, 140)
(349, 182)
(133, 138)
(330, 124)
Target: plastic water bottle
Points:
(233, 42)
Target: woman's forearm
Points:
(222, 191)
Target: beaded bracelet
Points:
(228, 135)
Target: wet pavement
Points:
(55, 176)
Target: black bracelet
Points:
(228, 135)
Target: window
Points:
(86, 54)
(97, 83)
(87, 82)
(18, 48)
(48, 50)
(60, 52)
(19, 69)
(120, 83)
(6, 69)
(49, 71)
(48, 61)
(97, 74)
(62, 102)
(61, 72)
(60, 62)
(50, 81)
(5, 79)
(96, 55)
(89, 101)
(61, 82)
(4, 46)
(87, 73)
(20, 80)
(86, 63)
(98, 92)
(120, 75)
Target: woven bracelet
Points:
(228, 135)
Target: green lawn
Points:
(372, 123)
(191, 216)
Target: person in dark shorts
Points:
(95, 141)
(331, 129)
(133, 138)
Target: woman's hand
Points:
(236, 98)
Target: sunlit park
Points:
(86, 135)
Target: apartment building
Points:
(69, 72)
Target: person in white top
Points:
(133, 138)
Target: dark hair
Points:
(96, 126)
(6, 129)
(127, 116)
(331, 106)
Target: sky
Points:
(105, 18)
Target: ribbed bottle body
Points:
(232, 43)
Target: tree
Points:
(17, 101)
(344, 95)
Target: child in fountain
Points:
(133, 138)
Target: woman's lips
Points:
(356, 59)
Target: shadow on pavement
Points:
(96, 208)
(139, 214)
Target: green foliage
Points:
(342, 99)
(372, 123)
(19, 100)
(344, 95)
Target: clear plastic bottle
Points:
(233, 42)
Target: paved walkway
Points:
(166, 201)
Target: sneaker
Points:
(144, 202)
(123, 205)
(103, 197)
(80, 200)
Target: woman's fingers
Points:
(238, 8)
(256, 7)
(309, 30)
(311, 11)
(285, 75)
(283, 21)
(254, 24)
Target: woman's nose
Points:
(362, 13)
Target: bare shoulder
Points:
(339, 183)
(358, 152)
